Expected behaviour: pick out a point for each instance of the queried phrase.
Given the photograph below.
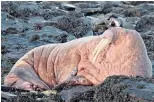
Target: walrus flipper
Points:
(23, 71)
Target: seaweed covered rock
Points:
(124, 89)
(145, 23)
(75, 24)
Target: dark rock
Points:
(89, 4)
(7, 6)
(74, 24)
(124, 89)
(77, 93)
(136, 2)
(61, 38)
(11, 30)
(148, 39)
(3, 49)
(21, 9)
(35, 38)
(131, 13)
(50, 13)
(68, 7)
(91, 11)
(49, 4)
(149, 7)
(145, 23)
(109, 6)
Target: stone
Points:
(124, 89)
(68, 7)
(145, 23)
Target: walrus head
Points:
(122, 52)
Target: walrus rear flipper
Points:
(29, 75)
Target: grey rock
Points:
(136, 2)
(124, 89)
(74, 24)
(145, 23)
(54, 12)
(89, 4)
(68, 7)
(74, 93)
(90, 11)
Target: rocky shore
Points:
(25, 25)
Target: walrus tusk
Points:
(100, 46)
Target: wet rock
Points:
(21, 9)
(13, 25)
(131, 12)
(147, 6)
(109, 6)
(49, 4)
(77, 93)
(35, 38)
(3, 49)
(145, 23)
(74, 24)
(124, 89)
(89, 4)
(68, 7)
(148, 39)
(136, 2)
(11, 30)
(47, 34)
(99, 24)
(90, 11)
(7, 6)
(50, 13)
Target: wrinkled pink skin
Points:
(47, 66)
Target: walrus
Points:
(86, 61)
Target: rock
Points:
(148, 39)
(145, 23)
(7, 6)
(124, 89)
(11, 30)
(89, 4)
(35, 38)
(54, 12)
(13, 25)
(132, 12)
(136, 2)
(47, 34)
(74, 24)
(78, 93)
(34, 20)
(3, 49)
(49, 4)
(68, 7)
(99, 23)
(147, 6)
(21, 9)
(111, 7)
(90, 11)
